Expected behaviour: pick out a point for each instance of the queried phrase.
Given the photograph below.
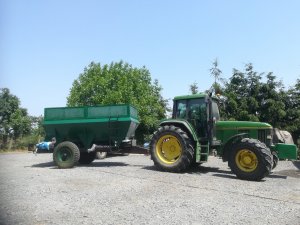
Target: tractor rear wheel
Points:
(66, 155)
(250, 160)
(171, 149)
(87, 157)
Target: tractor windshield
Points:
(190, 109)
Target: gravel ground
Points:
(129, 190)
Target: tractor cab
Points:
(200, 111)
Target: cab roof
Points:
(184, 97)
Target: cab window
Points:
(181, 109)
(197, 111)
(215, 111)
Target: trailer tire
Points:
(250, 160)
(171, 149)
(87, 157)
(66, 155)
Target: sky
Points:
(45, 45)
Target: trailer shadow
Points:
(44, 165)
(52, 165)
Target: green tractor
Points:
(195, 131)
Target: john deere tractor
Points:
(195, 131)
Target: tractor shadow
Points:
(103, 164)
(296, 164)
(217, 172)
(200, 170)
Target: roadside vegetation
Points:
(247, 95)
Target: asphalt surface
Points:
(129, 190)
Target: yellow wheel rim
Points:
(168, 149)
(246, 160)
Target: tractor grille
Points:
(262, 136)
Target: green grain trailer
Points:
(80, 132)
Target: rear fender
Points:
(184, 125)
(188, 128)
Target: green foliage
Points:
(119, 83)
(292, 102)
(26, 142)
(253, 96)
(251, 99)
(215, 71)
(37, 128)
(14, 120)
(194, 88)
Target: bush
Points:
(27, 142)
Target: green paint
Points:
(285, 151)
(89, 125)
(225, 133)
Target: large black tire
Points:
(275, 160)
(171, 149)
(250, 160)
(101, 155)
(87, 157)
(66, 155)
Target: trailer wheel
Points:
(250, 160)
(66, 155)
(87, 157)
(101, 155)
(171, 150)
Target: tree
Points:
(36, 125)
(194, 88)
(292, 117)
(121, 83)
(215, 72)
(250, 99)
(14, 120)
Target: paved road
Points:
(129, 190)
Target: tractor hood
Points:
(241, 125)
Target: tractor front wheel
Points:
(275, 160)
(250, 160)
(66, 155)
(171, 149)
